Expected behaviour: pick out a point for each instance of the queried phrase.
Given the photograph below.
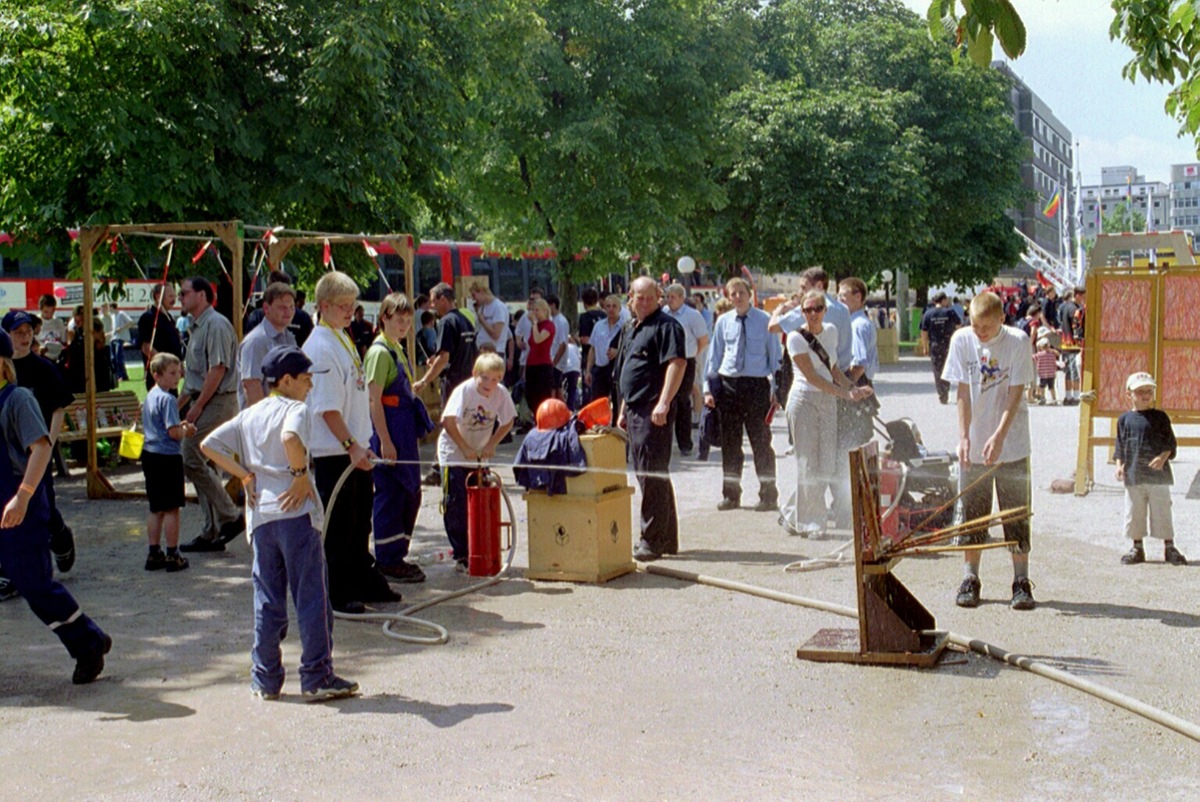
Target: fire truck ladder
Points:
(1059, 273)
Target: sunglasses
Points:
(812, 310)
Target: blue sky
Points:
(1072, 65)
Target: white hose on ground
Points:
(405, 616)
(1136, 706)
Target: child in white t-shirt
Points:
(478, 414)
(990, 364)
(571, 372)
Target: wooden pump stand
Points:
(893, 626)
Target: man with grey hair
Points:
(695, 335)
(208, 399)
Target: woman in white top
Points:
(812, 416)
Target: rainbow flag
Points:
(1052, 207)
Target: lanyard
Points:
(344, 341)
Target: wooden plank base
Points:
(841, 646)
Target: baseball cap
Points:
(1139, 380)
(286, 360)
(15, 318)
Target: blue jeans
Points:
(288, 553)
(454, 508)
(117, 351)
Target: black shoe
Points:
(968, 592)
(1022, 598)
(175, 562)
(88, 667)
(156, 561)
(726, 504)
(433, 478)
(1135, 556)
(383, 595)
(685, 452)
(767, 505)
(62, 546)
(232, 530)
(1174, 556)
(332, 688)
(643, 553)
(405, 572)
(7, 589)
(352, 607)
(201, 543)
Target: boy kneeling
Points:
(284, 519)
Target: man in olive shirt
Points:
(209, 398)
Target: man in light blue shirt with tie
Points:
(746, 356)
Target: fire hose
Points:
(405, 616)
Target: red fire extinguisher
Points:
(483, 522)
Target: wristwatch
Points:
(348, 443)
(298, 471)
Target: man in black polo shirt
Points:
(937, 327)
(649, 370)
(456, 350)
(156, 329)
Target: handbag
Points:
(865, 409)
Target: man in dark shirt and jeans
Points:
(937, 327)
(649, 370)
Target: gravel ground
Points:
(641, 688)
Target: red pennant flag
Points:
(203, 250)
(371, 252)
(112, 244)
(327, 257)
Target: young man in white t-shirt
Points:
(990, 364)
(491, 318)
(478, 414)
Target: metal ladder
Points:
(1058, 272)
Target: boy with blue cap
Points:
(284, 517)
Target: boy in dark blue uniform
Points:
(25, 540)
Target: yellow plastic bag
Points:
(131, 444)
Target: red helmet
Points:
(551, 414)
(597, 413)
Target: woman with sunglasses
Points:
(812, 415)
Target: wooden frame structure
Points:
(402, 244)
(1138, 319)
(894, 628)
(231, 233)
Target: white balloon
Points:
(686, 264)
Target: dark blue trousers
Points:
(454, 508)
(25, 555)
(287, 554)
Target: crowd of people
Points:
(303, 409)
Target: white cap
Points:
(1139, 380)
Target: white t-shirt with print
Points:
(343, 389)
(989, 370)
(476, 416)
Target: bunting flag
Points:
(327, 255)
(113, 242)
(1052, 207)
(203, 250)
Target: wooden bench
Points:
(116, 411)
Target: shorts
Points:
(1046, 383)
(1071, 366)
(1011, 483)
(164, 480)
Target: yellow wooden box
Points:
(887, 346)
(606, 466)
(580, 538)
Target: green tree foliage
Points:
(1123, 219)
(608, 150)
(329, 115)
(865, 147)
(978, 27)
